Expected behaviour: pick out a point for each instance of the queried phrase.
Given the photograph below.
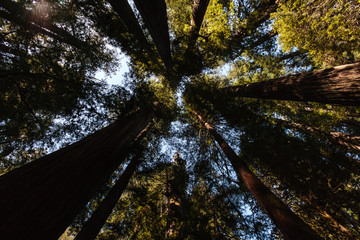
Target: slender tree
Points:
(126, 14)
(342, 139)
(197, 17)
(288, 223)
(175, 194)
(155, 18)
(93, 226)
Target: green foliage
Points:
(48, 98)
(328, 30)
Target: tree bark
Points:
(126, 14)
(337, 85)
(175, 194)
(41, 199)
(289, 223)
(155, 18)
(93, 226)
(197, 17)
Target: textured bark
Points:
(155, 18)
(98, 218)
(197, 17)
(289, 223)
(337, 85)
(41, 199)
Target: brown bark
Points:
(197, 17)
(98, 218)
(289, 223)
(337, 85)
(155, 18)
(41, 199)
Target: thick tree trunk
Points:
(155, 18)
(41, 199)
(337, 85)
(289, 223)
(98, 218)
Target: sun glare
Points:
(41, 10)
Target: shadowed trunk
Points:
(337, 85)
(127, 15)
(41, 199)
(197, 17)
(93, 226)
(155, 18)
(175, 193)
(289, 223)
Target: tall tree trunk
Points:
(126, 14)
(176, 185)
(288, 222)
(93, 226)
(155, 18)
(41, 199)
(337, 85)
(197, 17)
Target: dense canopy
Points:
(237, 119)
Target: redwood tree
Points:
(98, 218)
(155, 18)
(337, 85)
(288, 222)
(52, 190)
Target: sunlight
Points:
(41, 11)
